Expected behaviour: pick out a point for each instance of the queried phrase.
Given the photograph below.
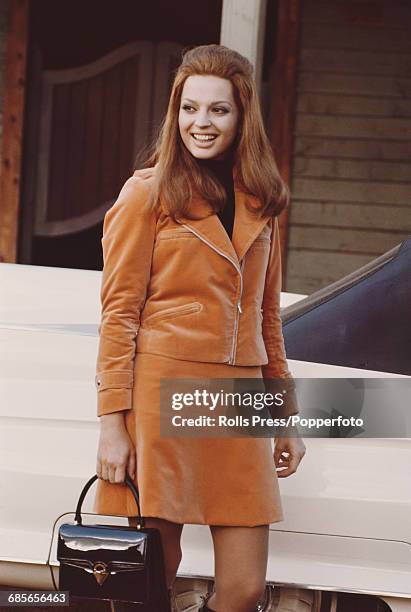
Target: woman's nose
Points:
(203, 120)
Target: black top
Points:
(222, 169)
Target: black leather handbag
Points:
(113, 562)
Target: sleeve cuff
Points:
(114, 391)
(285, 386)
(113, 400)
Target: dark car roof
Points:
(361, 321)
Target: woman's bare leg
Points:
(170, 537)
(241, 555)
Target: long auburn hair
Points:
(178, 177)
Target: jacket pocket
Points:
(173, 311)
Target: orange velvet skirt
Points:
(198, 480)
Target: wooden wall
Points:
(351, 184)
(4, 13)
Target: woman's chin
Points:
(209, 153)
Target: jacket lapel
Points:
(247, 225)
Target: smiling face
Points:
(208, 117)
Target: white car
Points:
(347, 529)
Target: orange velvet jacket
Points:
(185, 290)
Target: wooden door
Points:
(93, 121)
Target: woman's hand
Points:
(295, 449)
(116, 452)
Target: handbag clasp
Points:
(100, 572)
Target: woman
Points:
(190, 289)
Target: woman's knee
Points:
(241, 564)
(240, 595)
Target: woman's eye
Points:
(221, 110)
(187, 107)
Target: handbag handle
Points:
(128, 482)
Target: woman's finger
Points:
(104, 471)
(283, 461)
(293, 462)
(119, 474)
(131, 467)
(283, 456)
(277, 454)
(280, 456)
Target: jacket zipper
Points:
(238, 309)
(237, 316)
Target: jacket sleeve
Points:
(277, 366)
(127, 242)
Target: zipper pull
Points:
(239, 307)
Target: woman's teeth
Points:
(204, 137)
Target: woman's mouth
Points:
(204, 137)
